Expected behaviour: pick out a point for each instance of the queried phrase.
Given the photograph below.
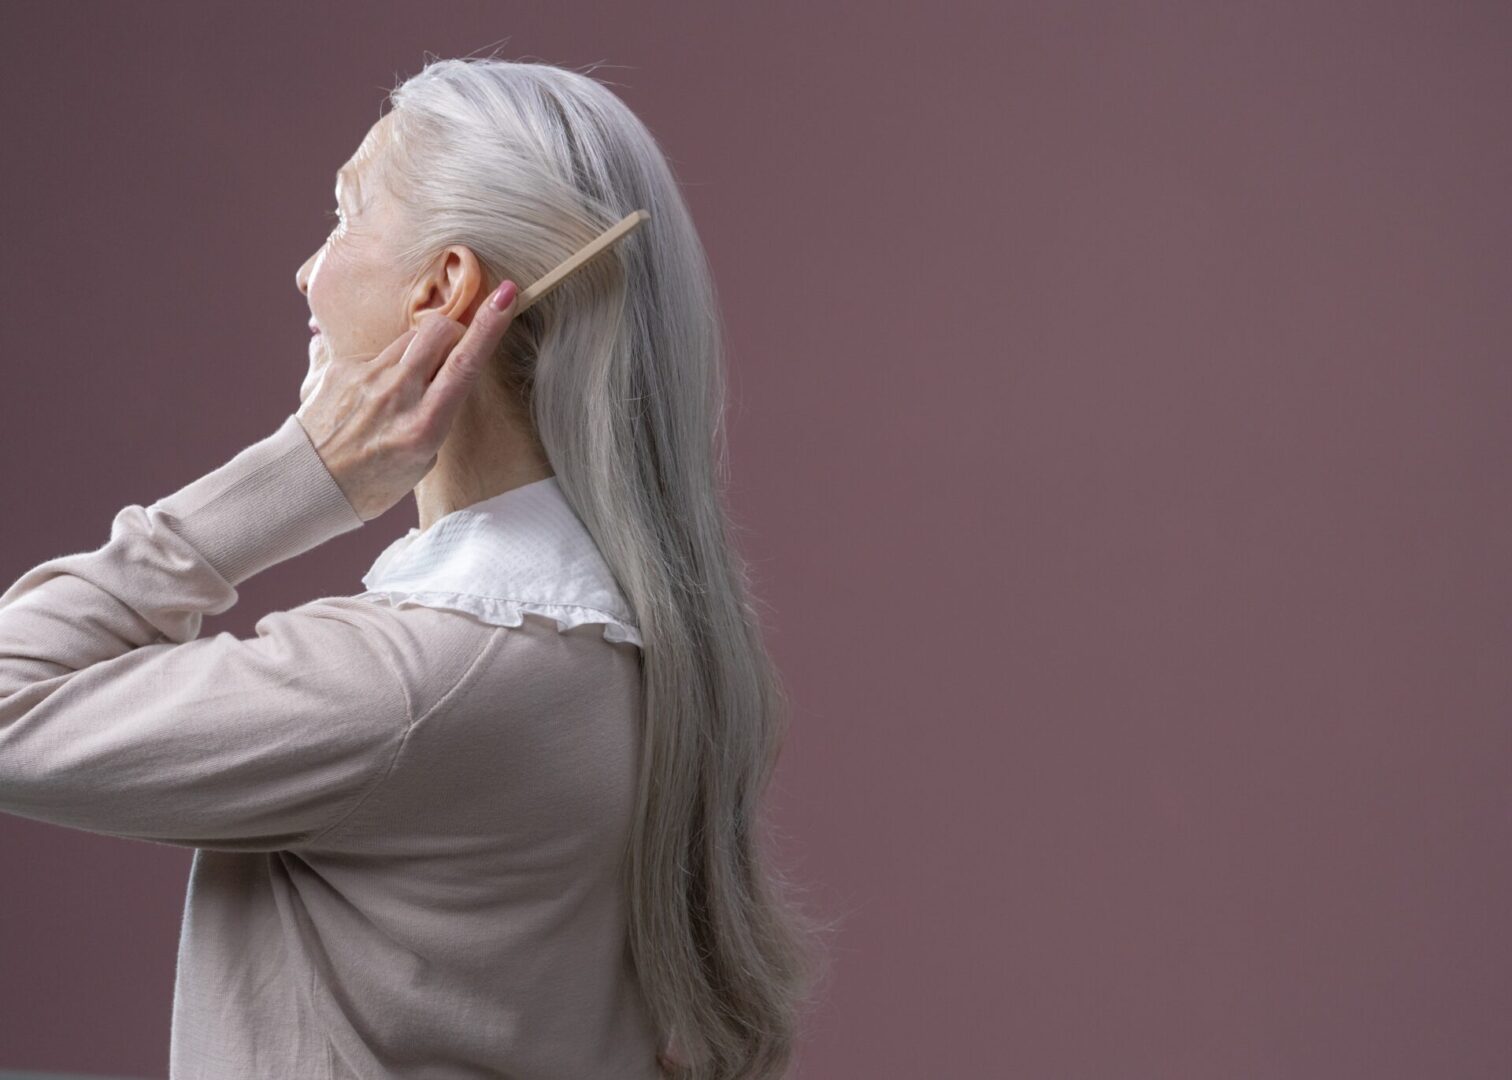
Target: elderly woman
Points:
(495, 815)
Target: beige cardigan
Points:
(409, 822)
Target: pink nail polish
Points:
(504, 295)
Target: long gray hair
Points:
(621, 372)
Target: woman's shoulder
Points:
(428, 649)
(507, 724)
(440, 652)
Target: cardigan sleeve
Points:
(117, 718)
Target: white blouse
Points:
(524, 550)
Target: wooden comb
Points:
(543, 285)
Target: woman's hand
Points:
(378, 422)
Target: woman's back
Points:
(466, 917)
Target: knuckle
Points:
(410, 446)
(390, 392)
(417, 433)
(402, 438)
(422, 437)
(464, 361)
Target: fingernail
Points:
(504, 295)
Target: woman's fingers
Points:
(429, 342)
(460, 370)
(378, 422)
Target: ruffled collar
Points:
(523, 551)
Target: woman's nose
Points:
(302, 276)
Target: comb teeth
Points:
(579, 258)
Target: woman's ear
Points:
(453, 286)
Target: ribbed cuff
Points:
(272, 501)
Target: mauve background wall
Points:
(1120, 436)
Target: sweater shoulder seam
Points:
(484, 650)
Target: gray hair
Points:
(621, 373)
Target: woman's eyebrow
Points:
(346, 174)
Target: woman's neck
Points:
(486, 453)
